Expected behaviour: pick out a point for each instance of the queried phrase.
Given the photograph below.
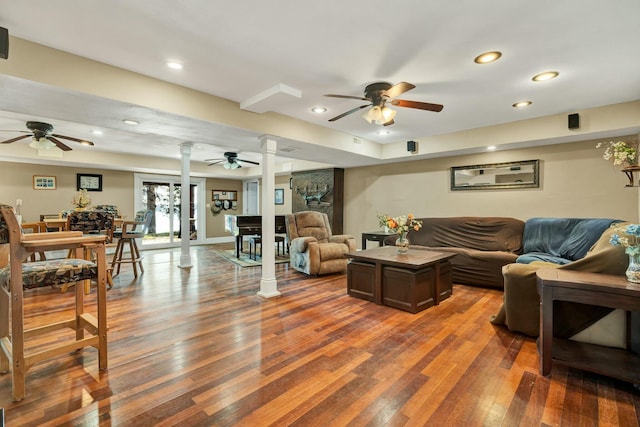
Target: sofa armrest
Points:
(606, 260)
(520, 310)
(301, 243)
(345, 239)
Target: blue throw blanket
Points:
(560, 240)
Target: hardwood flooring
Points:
(198, 347)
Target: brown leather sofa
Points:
(483, 245)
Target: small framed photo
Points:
(44, 182)
(88, 181)
(279, 197)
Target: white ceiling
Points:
(238, 49)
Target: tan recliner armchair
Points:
(312, 248)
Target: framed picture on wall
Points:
(90, 182)
(41, 182)
(279, 196)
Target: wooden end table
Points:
(375, 236)
(411, 282)
(587, 288)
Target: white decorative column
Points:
(185, 201)
(268, 283)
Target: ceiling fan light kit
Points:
(41, 144)
(43, 137)
(378, 94)
(379, 116)
(230, 161)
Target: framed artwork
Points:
(41, 182)
(224, 195)
(90, 182)
(279, 197)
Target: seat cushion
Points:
(329, 251)
(51, 272)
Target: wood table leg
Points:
(546, 330)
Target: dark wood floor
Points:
(199, 347)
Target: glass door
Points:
(163, 196)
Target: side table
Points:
(375, 236)
(587, 288)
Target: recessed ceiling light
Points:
(174, 65)
(383, 132)
(487, 57)
(547, 75)
(130, 122)
(96, 132)
(491, 148)
(522, 104)
(319, 110)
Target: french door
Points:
(162, 194)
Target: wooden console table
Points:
(587, 288)
(411, 282)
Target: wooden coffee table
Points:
(410, 282)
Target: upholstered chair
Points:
(312, 248)
(91, 222)
(113, 209)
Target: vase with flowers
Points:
(628, 236)
(622, 153)
(401, 226)
(82, 199)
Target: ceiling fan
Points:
(378, 94)
(43, 138)
(230, 161)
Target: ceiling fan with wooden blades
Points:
(44, 138)
(378, 95)
(230, 161)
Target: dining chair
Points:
(131, 230)
(91, 222)
(17, 277)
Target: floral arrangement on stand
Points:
(82, 199)
(401, 226)
(623, 153)
(628, 236)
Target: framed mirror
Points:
(494, 176)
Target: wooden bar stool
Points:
(16, 276)
(131, 230)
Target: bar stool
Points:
(253, 247)
(280, 241)
(131, 230)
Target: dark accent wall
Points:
(320, 190)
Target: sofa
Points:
(482, 245)
(565, 243)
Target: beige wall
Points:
(575, 182)
(117, 189)
(17, 183)
(215, 223)
(283, 182)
